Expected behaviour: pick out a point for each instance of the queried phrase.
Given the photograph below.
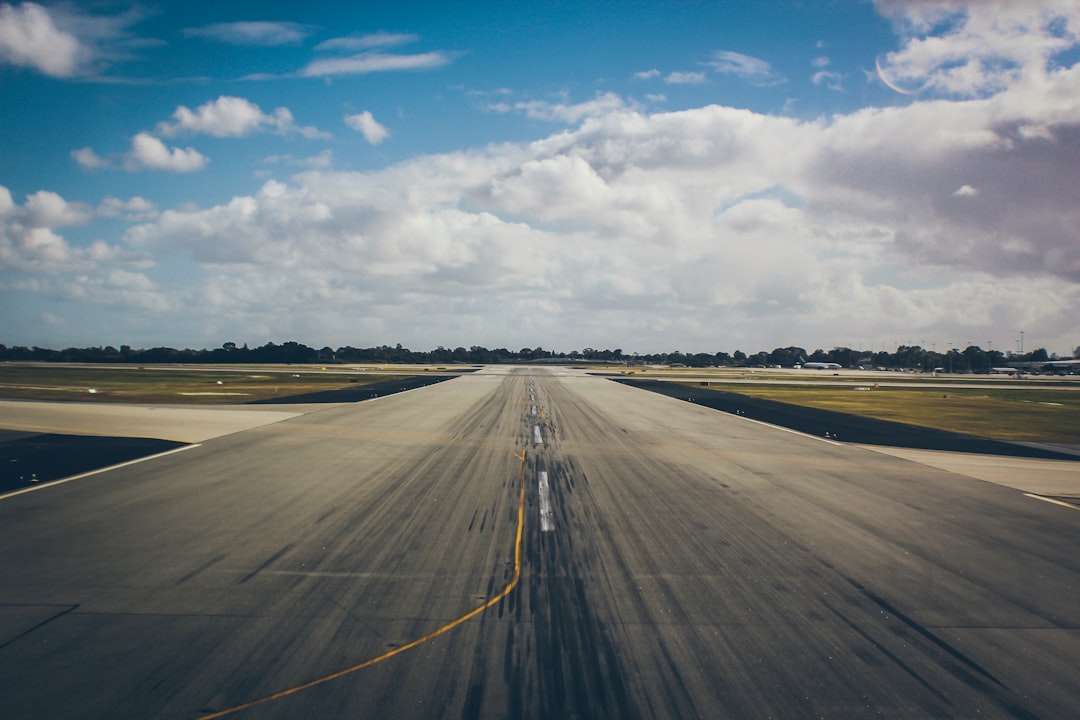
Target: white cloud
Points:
(7, 203)
(564, 112)
(253, 33)
(45, 209)
(29, 243)
(754, 70)
(150, 153)
(28, 37)
(61, 41)
(710, 228)
(134, 209)
(831, 80)
(355, 43)
(647, 74)
(973, 49)
(640, 230)
(368, 126)
(90, 160)
(370, 62)
(129, 293)
(318, 162)
(229, 116)
(685, 78)
(34, 249)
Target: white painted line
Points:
(1052, 500)
(54, 483)
(532, 410)
(789, 430)
(381, 397)
(537, 438)
(547, 517)
(765, 424)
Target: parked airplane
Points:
(1046, 365)
(821, 366)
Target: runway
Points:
(535, 543)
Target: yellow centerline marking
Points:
(419, 641)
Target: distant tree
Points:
(976, 359)
(1039, 355)
(844, 356)
(787, 356)
(700, 360)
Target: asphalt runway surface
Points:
(30, 458)
(535, 543)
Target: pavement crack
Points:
(40, 625)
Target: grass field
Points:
(171, 384)
(1042, 415)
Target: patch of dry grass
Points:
(157, 384)
(1001, 414)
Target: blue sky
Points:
(651, 175)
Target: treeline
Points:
(913, 358)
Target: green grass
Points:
(1038, 415)
(171, 384)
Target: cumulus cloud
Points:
(647, 74)
(229, 116)
(29, 241)
(252, 33)
(90, 160)
(666, 222)
(147, 152)
(366, 124)
(150, 153)
(710, 228)
(45, 209)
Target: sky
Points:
(650, 176)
